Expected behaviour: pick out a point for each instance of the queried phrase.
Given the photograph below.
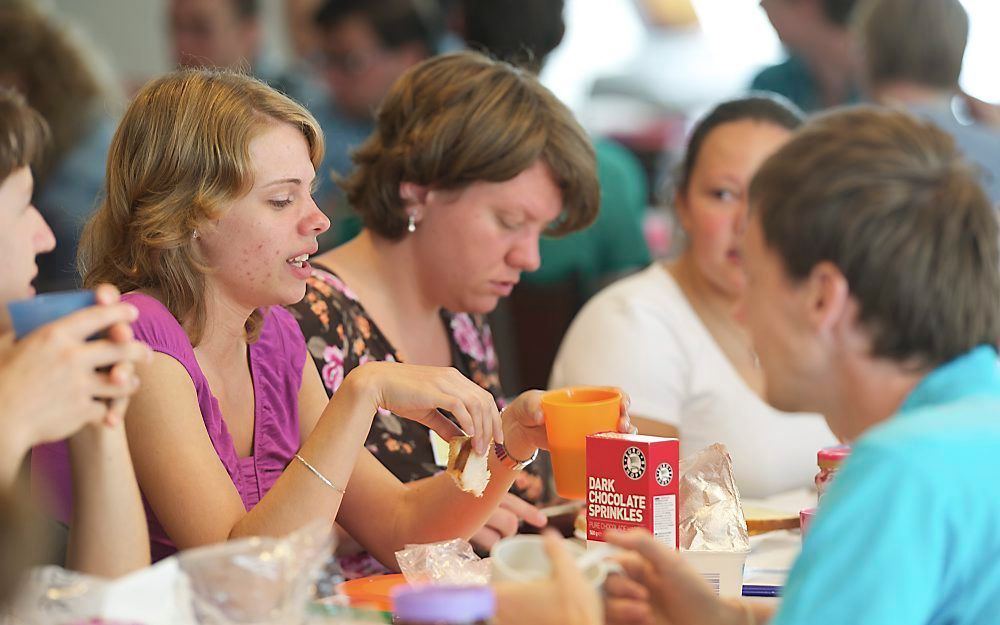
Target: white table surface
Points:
(772, 554)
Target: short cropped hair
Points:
(180, 156)
(396, 23)
(247, 9)
(462, 118)
(839, 11)
(887, 198)
(916, 41)
(23, 133)
(521, 32)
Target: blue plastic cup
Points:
(28, 314)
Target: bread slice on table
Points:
(466, 467)
(762, 520)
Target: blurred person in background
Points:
(471, 161)
(912, 53)
(228, 34)
(55, 384)
(215, 33)
(672, 335)
(304, 34)
(66, 81)
(365, 46)
(820, 71)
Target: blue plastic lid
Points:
(443, 604)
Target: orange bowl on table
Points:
(373, 592)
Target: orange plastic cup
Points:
(570, 415)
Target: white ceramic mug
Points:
(522, 558)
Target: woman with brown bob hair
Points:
(207, 227)
(471, 161)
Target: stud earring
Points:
(411, 224)
(195, 235)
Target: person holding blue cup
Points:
(66, 372)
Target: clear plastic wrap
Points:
(451, 562)
(253, 580)
(54, 596)
(257, 580)
(710, 516)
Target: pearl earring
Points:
(411, 224)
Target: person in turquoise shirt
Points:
(873, 280)
(911, 520)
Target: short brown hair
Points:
(395, 23)
(462, 118)
(23, 133)
(887, 199)
(920, 41)
(521, 32)
(180, 156)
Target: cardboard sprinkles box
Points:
(632, 482)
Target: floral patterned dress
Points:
(340, 336)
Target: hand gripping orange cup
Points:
(570, 415)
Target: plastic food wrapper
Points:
(452, 562)
(253, 580)
(54, 596)
(710, 516)
(257, 580)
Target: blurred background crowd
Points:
(635, 72)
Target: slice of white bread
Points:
(761, 520)
(466, 467)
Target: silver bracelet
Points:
(322, 477)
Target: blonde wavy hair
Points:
(179, 158)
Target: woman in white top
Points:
(671, 334)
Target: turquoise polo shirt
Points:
(909, 531)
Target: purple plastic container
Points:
(445, 605)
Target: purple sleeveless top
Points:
(276, 361)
